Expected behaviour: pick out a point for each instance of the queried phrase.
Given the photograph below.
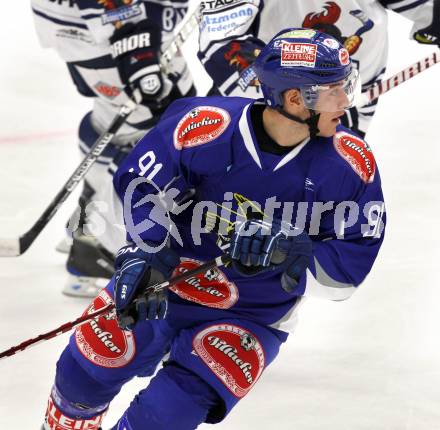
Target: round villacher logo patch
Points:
(101, 341)
(201, 125)
(233, 353)
(210, 288)
(357, 153)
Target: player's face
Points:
(332, 98)
(331, 105)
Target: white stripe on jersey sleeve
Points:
(323, 286)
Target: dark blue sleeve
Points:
(151, 180)
(347, 238)
(191, 142)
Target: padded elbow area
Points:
(175, 399)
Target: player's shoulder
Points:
(202, 122)
(348, 152)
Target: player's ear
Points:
(293, 98)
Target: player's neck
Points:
(282, 130)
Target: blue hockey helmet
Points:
(310, 61)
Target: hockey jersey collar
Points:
(251, 144)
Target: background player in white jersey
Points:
(252, 166)
(112, 48)
(233, 31)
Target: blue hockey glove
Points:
(258, 247)
(135, 271)
(136, 51)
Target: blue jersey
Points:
(203, 164)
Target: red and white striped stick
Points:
(399, 78)
(56, 332)
(217, 262)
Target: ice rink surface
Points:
(370, 363)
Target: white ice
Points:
(370, 363)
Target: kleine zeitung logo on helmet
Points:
(298, 54)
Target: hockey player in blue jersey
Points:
(233, 32)
(291, 196)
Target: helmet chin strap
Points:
(311, 122)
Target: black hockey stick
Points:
(14, 247)
(217, 262)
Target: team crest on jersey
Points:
(233, 353)
(201, 125)
(357, 153)
(298, 54)
(210, 288)
(101, 341)
(326, 20)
